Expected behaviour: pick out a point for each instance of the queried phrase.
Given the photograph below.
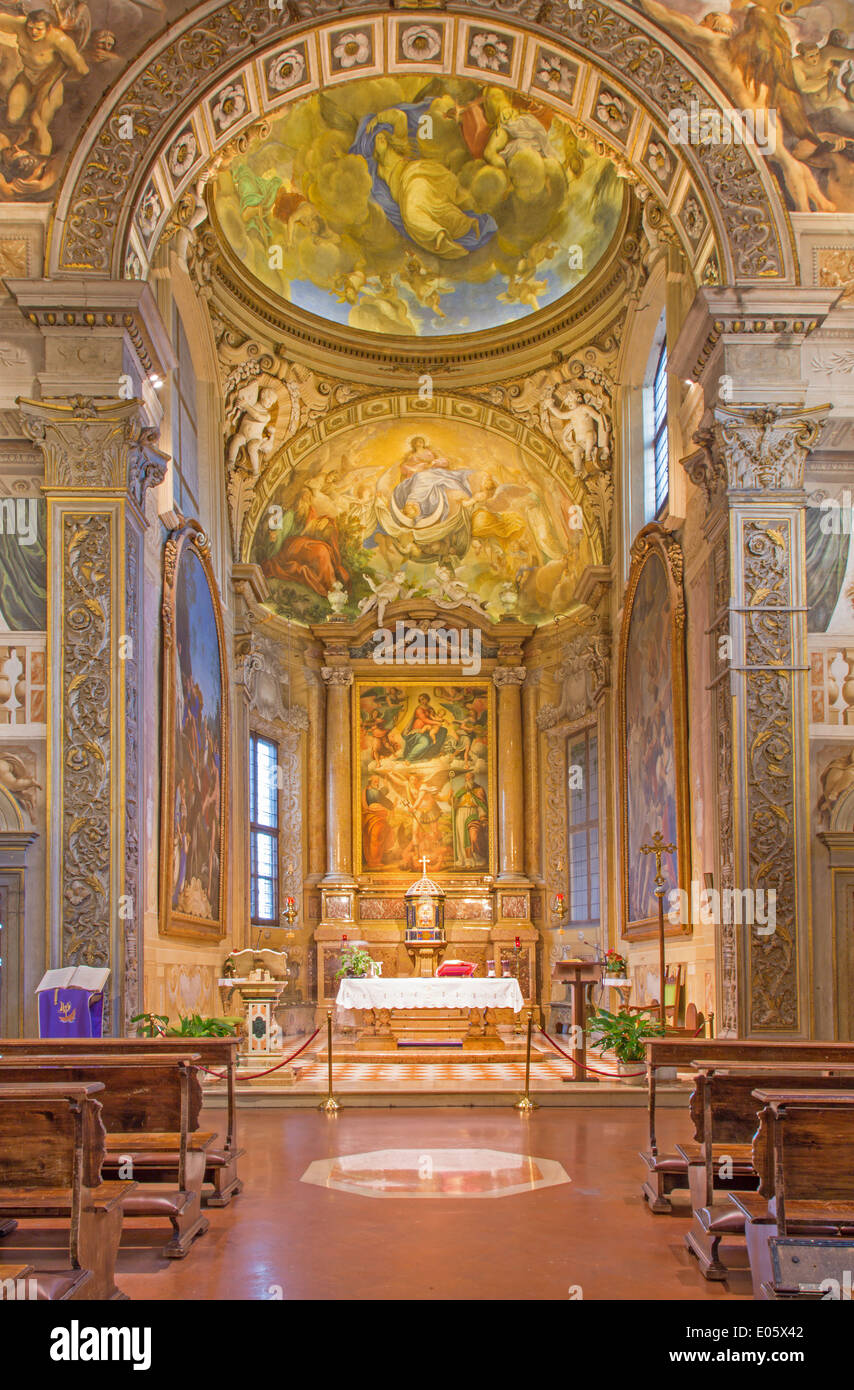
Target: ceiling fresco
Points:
(57, 57)
(798, 65)
(418, 206)
(422, 508)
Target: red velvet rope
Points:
(253, 1076)
(594, 1070)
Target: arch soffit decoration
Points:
(620, 84)
(544, 458)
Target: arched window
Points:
(657, 450)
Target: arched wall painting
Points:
(425, 508)
(653, 742)
(194, 797)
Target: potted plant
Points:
(615, 964)
(355, 963)
(150, 1025)
(192, 1026)
(623, 1035)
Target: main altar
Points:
(419, 1012)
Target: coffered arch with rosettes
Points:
(221, 68)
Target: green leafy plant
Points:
(194, 1026)
(354, 961)
(622, 1033)
(150, 1025)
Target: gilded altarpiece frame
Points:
(193, 776)
(411, 787)
(654, 718)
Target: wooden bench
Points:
(802, 1153)
(668, 1172)
(725, 1117)
(213, 1053)
(52, 1148)
(151, 1110)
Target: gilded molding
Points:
(755, 447)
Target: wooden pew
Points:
(151, 1111)
(802, 1152)
(214, 1053)
(668, 1172)
(52, 1148)
(725, 1117)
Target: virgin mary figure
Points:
(420, 197)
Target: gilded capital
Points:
(757, 448)
(509, 675)
(337, 675)
(95, 443)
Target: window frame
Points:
(258, 828)
(588, 826)
(660, 442)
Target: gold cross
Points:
(424, 862)
(658, 848)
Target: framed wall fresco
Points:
(194, 792)
(424, 758)
(652, 724)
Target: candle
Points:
(344, 939)
(518, 943)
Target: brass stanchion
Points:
(524, 1102)
(330, 1105)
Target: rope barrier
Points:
(594, 1070)
(253, 1076)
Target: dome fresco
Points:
(418, 208)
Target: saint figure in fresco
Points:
(471, 823)
(421, 197)
(427, 483)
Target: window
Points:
(185, 433)
(660, 452)
(583, 827)
(263, 831)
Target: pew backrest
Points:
(804, 1144)
(684, 1054)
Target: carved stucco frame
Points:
(171, 923)
(655, 544)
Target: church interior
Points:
(426, 650)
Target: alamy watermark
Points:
(408, 645)
(751, 907)
(713, 125)
(19, 517)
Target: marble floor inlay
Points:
(435, 1173)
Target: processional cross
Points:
(658, 848)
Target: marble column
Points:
(99, 464)
(316, 788)
(511, 798)
(751, 464)
(339, 838)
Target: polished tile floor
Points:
(287, 1238)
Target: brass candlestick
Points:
(658, 848)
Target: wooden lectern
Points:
(580, 974)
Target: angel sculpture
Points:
(386, 592)
(252, 434)
(448, 592)
(584, 436)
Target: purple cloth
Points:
(70, 1013)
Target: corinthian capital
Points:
(95, 442)
(758, 448)
(337, 675)
(509, 675)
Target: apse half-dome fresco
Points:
(419, 509)
(418, 208)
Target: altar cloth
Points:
(415, 992)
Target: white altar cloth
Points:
(438, 992)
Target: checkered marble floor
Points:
(445, 1076)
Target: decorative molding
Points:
(95, 443)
